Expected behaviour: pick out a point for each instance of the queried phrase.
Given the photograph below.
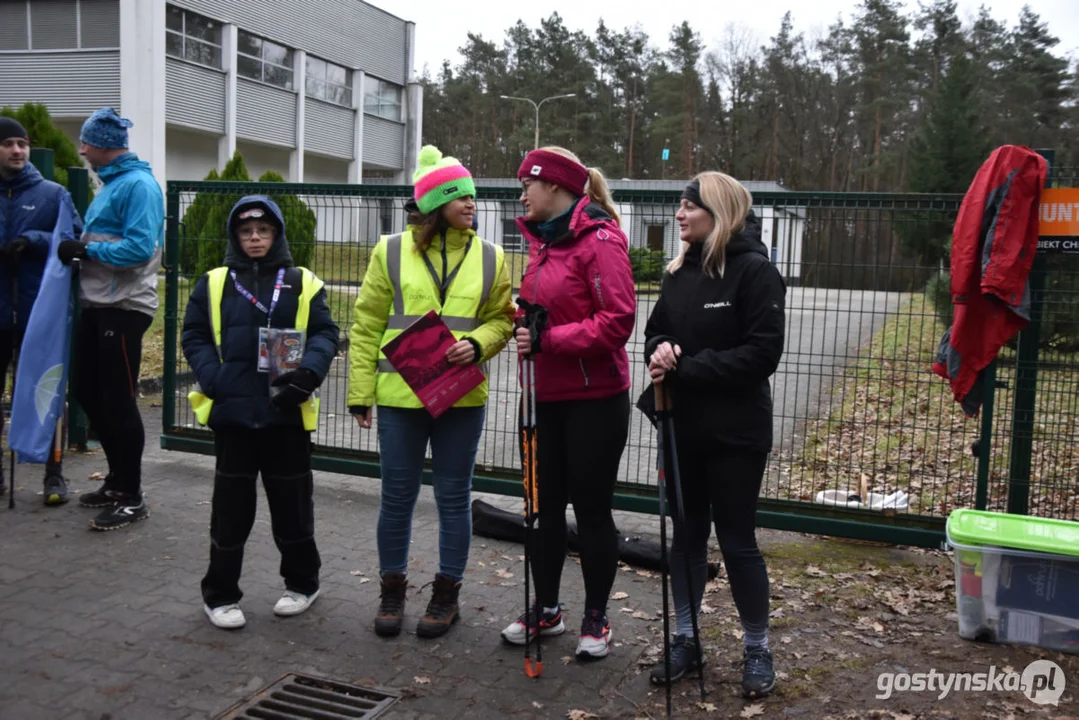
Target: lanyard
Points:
(254, 300)
(444, 283)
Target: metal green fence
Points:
(856, 406)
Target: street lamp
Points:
(537, 106)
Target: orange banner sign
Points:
(1058, 216)
(1059, 213)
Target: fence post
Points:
(985, 441)
(172, 279)
(42, 159)
(1026, 384)
(78, 425)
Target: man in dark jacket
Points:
(233, 318)
(29, 205)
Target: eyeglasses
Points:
(248, 233)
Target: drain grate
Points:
(306, 697)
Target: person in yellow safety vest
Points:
(438, 263)
(243, 332)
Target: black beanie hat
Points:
(11, 128)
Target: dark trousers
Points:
(283, 457)
(8, 343)
(720, 485)
(579, 446)
(108, 346)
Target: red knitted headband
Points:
(554, 168)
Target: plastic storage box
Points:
(1016, 578)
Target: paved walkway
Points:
(110, 625)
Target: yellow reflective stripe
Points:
(393, 270)
(453, 322)
(490, 258)
(216, 282)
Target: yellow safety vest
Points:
(415, 293)
(309, 287)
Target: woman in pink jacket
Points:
(579, 274)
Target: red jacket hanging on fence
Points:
(993, 246)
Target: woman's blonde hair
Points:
(596, 189)
(729, 202)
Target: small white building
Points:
(651, 224)
(319, 91)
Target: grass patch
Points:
(892, 424)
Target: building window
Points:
(192, 37)
(656, 234)
(329, 82)
(260, 59)
(385, 216)
(59, 24)
(383, 99)
(511, 235)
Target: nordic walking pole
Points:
(680, 518)
(533, 668)
(661, 421)
(16, 344)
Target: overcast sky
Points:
(442, 27)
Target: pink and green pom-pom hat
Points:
(438, 180)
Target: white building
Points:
(651, 224)
(318, 90)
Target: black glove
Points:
(16, 246)
(295, 387)
(70, 250)
(535, 319)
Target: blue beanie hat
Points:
(105, 129)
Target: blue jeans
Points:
(403, 434)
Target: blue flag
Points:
(41, 380)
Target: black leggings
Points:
(579, 446)
(108, 343)
(720, 486)
(7, 349)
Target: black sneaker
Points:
(55, 489)
(122, 513)
(758, 677)
(684, 658)
(105, 496)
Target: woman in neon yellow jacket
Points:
(438, 263)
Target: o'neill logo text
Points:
(709, 306)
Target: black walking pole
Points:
(533, 668)
(661, 421)
(16, 343)
(680, 518)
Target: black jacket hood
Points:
(278, 255)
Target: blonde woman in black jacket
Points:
(714, 339)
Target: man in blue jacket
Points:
(29, 205)
(119, 254)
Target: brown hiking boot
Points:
(442, 611)
(391, 607)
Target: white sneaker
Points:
(226, 617)
(294, 603)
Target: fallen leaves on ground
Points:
(619, 596)
(421, 680)
(580, 715)
(751, 711)
(537, 705)
(638, 615)
(504, 574)
(708, 707)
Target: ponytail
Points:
(599, 193)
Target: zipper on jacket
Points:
(599, 291)
(584, 371)
(540, 260)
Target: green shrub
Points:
(647, 264)
(43, 134)
(204, 237)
